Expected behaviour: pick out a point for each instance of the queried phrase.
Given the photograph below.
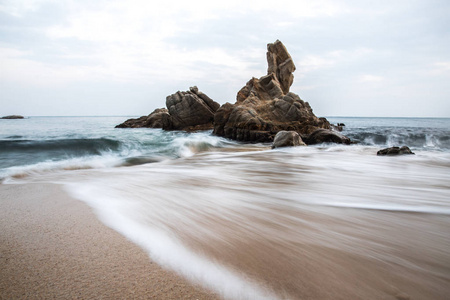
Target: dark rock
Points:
(325, 136)
(287, 139)
(338, 126)
(191, 110)
(12, 117)
(265, 106)
(395, 151)
(159, 118)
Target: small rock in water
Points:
(395, 151)
(13, 117)
(337, 127)
(287, 139)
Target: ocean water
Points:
(318, 222)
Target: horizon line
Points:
(375, 117)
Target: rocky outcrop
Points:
(326, 136)
(190, 110)
(265, 106)
(287, 139)
(12, 117)
(159, 118)
(395, 151)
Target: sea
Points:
(327, 221)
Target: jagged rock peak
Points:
(280, 63)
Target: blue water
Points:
(52, 143)
(93, 142)
(417, 133)
(318, 222)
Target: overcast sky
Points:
(353, 58)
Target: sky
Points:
(353, 58)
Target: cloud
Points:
(342, 49)
(440, 68)
(17, 68)
(19, 8)
(143, 41)
(370, 78)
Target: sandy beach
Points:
(53, 247)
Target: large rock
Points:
(395, 151)
(265, 106)
(287, 139)
(190, 110)
(281, 64)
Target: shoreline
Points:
(332, 248)
(53, 246)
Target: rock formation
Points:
(265, 106)
(287, 139)
(395, 151)
(159, 118)
(190, 110)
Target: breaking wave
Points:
(23, 157)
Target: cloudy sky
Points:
(353, 58)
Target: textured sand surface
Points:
(53, 247)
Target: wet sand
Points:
(53, 247)
(402, 256)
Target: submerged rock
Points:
(190, 110)
(395, 151)
(265, 106)
(12, 117)
(326, 136)
(338, 126)
(287, 139)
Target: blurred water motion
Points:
(316, 222)
(321, 222)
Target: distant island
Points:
(13, 117)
